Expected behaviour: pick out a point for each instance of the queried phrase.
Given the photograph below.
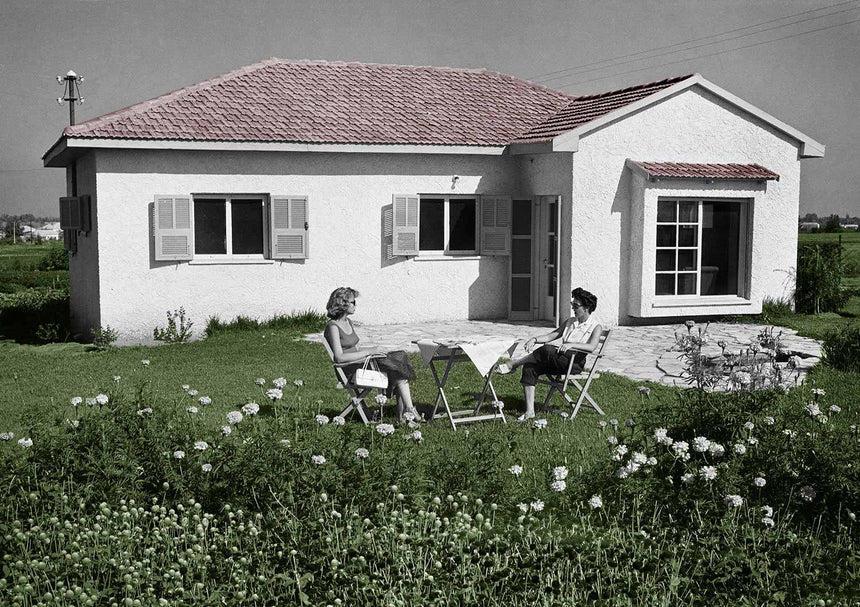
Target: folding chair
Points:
(357, 393)
(559, 383)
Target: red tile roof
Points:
(706, 171)
(586, 108)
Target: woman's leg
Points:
(529, 396)
(404, 399)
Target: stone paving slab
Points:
(641, 353)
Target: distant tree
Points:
(831, 224)
(809, 217)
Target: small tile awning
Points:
(688, 170)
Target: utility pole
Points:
(71, 92)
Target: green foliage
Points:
(178, 329)
(819, 277)
(842, 349)
(309, 321)
(23, 312)
(57, 258)
(104, 337)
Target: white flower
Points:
(91, 402)
(701, 444)
(362, 453)
(638, 458)
(822, 419)
(613, 422)
(179, 454)
(409, 417)
(660, 435)
(769, 420)
(523, 507)
(193, 393)
(77, 400)
(102, 399)
(144, 411)
(226, 430)
(767, 511)
(752, 440)
(623, 472)
(499, 406)
(768, 522)
(7, 435)
(619, 452)
(759, 481)
(688, 477)
(651, 461)
(337, 420)
(537, 505)
(740, 448)
(204, 400)
(201, 445)
(595, 501)
(385, 429)
(206, 467)
(629, 423)
(601, 423)
(716, 449)
(192, 409)
(631, 467)
(516, 469)
(789, 433)
(558, 486)
(818, 392)
(25, 442)
(612, 440)
(380, 399)
(680, 447)
(708, 473)
(539, 424)
(284, 442)
(145, 362)
(74, 423)
(807, 493)
(298, 383)
(319, 460)
(185, 387)
(835, 408)
(416, 436)
(734, 501)
(116, 378)
(559, 473)
(279, 383)
(274, 394)
(813, 410)
(749, 425)
(251, 409)
(260, 381)
(234, 417)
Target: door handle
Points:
(545, 264)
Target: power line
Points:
(820, 29)
(548, 76)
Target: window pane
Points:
(687, 259)
(522, 218)
(521, 294)
(432, 237)
(553, 216)
(688, 236)
(688, 212)
(665, 236)
(666, 210)
(210, 226)
(247, 216)
(721, 252)
(521, 256)
(665, 259)
(665, 284)
(461, 219)
(686, 284)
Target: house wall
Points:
(350, 199)
(613, 214)
(84, 264)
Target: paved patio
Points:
(640, 353)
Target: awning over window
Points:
(689, 170)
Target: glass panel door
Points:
(549, 251)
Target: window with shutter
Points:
(405, 234)
(172, 228)
(289, 227)
(495, 225)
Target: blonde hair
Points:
(337, 301)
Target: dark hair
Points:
(337, 301)
(589, 300)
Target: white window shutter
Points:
(171, 222)
(495, 225)
(289, 225)
(405, 237)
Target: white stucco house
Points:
(438, 193)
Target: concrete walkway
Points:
(640, 353)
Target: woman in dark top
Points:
(341, 336)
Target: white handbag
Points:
(370, 378)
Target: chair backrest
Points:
(338, 371)
(594, 356)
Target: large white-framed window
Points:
(229, 227)
(448, 225)
(701, 247)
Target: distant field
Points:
(850, 248)
(22, 256)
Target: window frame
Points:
(229, 255)
(446, 226)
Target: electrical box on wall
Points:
(75, 213)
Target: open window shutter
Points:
(289, 221)
(405, 238)
(172, 227)
(495, 225)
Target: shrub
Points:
(104, 337)
(57, 258)
(23, 312)
(842, 349)
(819, 278)
(178, 328)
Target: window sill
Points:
(436, 257)
(230, 262)
(696, 301)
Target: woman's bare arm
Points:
(333, 337)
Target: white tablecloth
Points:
(483, 355)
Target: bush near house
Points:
(819, 278)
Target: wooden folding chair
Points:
(357, 394)
(560, 383)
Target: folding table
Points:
(484, 356)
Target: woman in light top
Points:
(341, 336)
(580, 335)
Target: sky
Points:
(797, 60)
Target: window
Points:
(232, 225)
(701, 247)
(448, 224)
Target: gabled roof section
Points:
(689, 170)
(338, 102)
(590, 107)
